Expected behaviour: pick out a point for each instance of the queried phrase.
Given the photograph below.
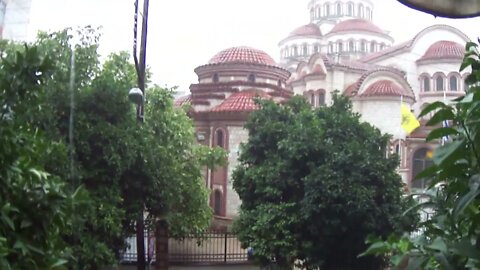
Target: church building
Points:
(339, 49)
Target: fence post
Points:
(161, 234)
(225, 251)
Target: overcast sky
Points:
(184, 34)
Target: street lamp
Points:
(446, 8)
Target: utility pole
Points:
(140, 67)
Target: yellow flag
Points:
(409, 122)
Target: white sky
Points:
(184, 34)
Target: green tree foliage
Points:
(36, 207)
(450, 238)
(125, 167)
(314, 184)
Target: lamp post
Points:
(446, 8)
(137, 95)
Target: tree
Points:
(450, 238)
(36, 207)
(126, 167)
(314, 184)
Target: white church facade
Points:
(340, 49)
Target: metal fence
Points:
(211, 247)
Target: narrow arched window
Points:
(327, 9)
(312, 99)
(321, 99)
(319, 12)
(251, 78)
(330, 47)
(421, 160)
(220, 138)
(361, 11)
(295, 51)
(312, 14)
(350, 9)
(316, 48)
(279, 83)
(426, 84)
(340, 46)
(382, 46)
(305, 50)
(339, 9)
(215, 78)
(217, 202)
(453, 83)
(363, 46)
(369, 13)
(351, 46)
(439, 83)
(373, 46)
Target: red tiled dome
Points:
(444, 49)
(357, 25)
(310, 29)
(243, 55)
(385, 88)
(240, 102)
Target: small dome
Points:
(444, 49)
(357, 25)
(240, 102)
(243, 54)
(385, 88)
(310, 29)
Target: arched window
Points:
(363, 46)
(439, 83)
(373, 46)
(217, 202)
(319, 12)
(351, 46)
(330, 47)
(339, 9)
(369, 13)
(312, 14)
(453, 83)
(382, 46)
(321, 98)
(305, 50)
(279, 83)
(340, 46)
(426, 84)
(350, 9)
(220, 138)
(361, 11)
(326, 7)
(215, 78)
(251, 78)
(316, 48)
(421, 160)
(295, 51)
(312, 99)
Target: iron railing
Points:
(211, 247)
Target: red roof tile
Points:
(357, 25)
(243, 55)
(444, 49)
(385, 88)
(310, 29)
(183, 100)
(240, 102)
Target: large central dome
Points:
(357, 25)
(243, 54)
